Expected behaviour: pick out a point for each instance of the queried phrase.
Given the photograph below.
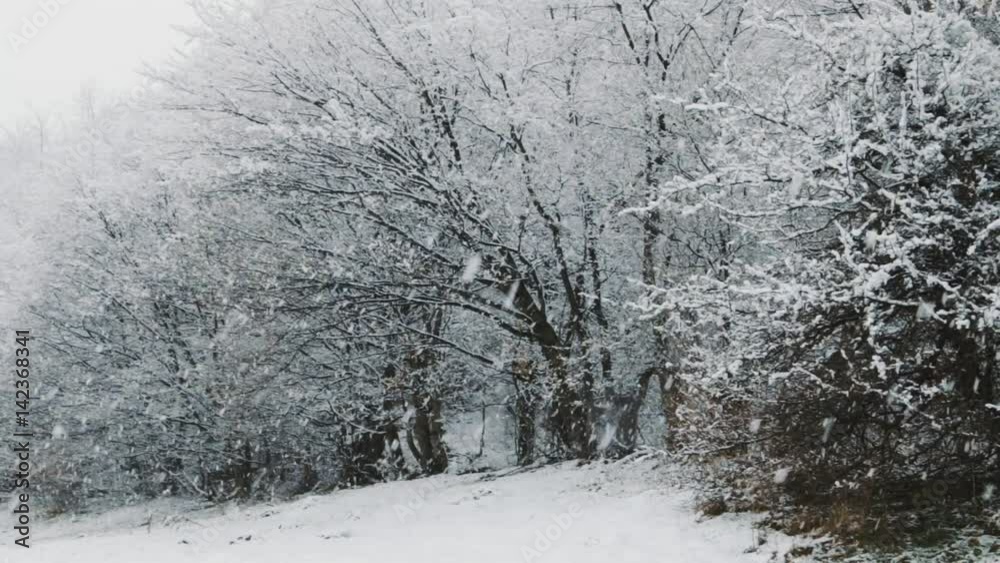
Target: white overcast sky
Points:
(99, 42)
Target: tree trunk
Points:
(570, 417)
(243, 472)
(671, 392)
(525, 410)
(392, 451)
(428, 434)
(624, 415)
(393, 460)
(671, 397)
(365, 451)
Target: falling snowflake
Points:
(472, 268)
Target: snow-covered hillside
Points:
(626, 512)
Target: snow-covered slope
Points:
(622, 513)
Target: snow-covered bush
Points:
(862, 331)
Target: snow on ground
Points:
(617, 512)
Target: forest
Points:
(335, 243)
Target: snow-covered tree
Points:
(455, 174)
(857, 339)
